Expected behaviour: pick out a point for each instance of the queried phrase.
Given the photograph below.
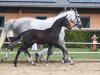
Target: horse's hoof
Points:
(47, 65)
(34, 64)
(72, 63)
(66, 61)
(62, 61)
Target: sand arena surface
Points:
(55, 68)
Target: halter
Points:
(76, 18)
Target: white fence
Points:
(67, 43)
(80, 43)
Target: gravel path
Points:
(55, 68)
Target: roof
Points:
(87, 4)
(48, 3)
(32, 3)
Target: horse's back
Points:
(31, 23)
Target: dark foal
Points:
(48, 36)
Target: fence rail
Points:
(80, 43)
(66, 43)
(59, 52)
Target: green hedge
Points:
(80, 36)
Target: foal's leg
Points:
(29, 57)
(17, 55)
(49, 52)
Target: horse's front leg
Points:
(67, 54)
(63, 48)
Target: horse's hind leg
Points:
(6, 55)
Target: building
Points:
(89, 10)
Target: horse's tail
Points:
(4, 32)
(17, 38)
(2, 38)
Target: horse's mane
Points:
(9, 21)
(63, 12)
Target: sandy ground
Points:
(55, 68)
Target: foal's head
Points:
(66, 23)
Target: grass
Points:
(59, 56)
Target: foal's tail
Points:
(5, 31)
(17, 38)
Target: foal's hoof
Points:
(46, 61)
(1, 60)
(15, 65)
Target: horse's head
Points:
(74, 18)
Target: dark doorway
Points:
(2, 21)
(85, 21)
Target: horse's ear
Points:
(71, 9)
(75, 9)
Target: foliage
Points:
(80, 36)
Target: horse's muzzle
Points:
(79, 25)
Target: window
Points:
(2, 21)
(41, 17)
(85, 21)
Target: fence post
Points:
(94, 40)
